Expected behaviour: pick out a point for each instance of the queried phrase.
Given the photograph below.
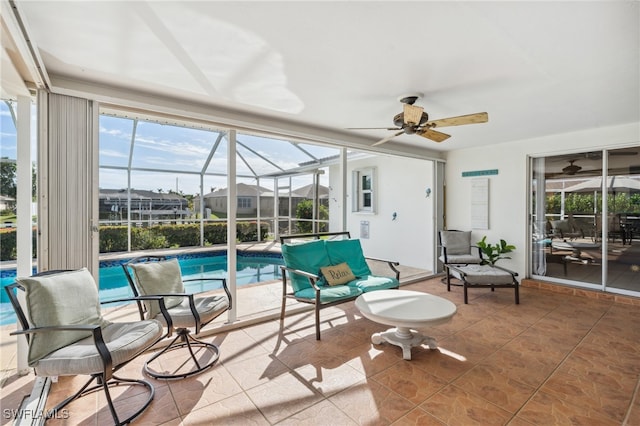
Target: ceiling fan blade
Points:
(387, 139)
(480, 117)
(412, 114)
(433, 135)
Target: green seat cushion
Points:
(373, 282)
(162, 277)
(349, 251)
(66, 298)
(329, 294)
(308, 256)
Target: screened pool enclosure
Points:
(155, 173)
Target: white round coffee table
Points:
(406, 310)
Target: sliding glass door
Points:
(585, 219)
(623, 232)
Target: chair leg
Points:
(189, 342)
(105, 386)
(317, 322)
(282, 308)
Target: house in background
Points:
(7, 203)
(247, 195)
(146, 206)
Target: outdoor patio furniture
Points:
(308, 255)
(485, 276)
(566, 229)
(68, 336)
(576, 248)
(158, 276)
(457, 249)
(408, 312)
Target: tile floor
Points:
(555, 359)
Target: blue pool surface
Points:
(252, 267)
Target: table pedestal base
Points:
(405, 338)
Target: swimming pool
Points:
(252, 267)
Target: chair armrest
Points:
(455, 269)
(158, 298)
(224, 286)
(98, 341)
(391, 263)
(313, 278)
(515, 274)
(167, 316)
(77, 327)
(479, 251)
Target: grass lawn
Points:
(8, 218)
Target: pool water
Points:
(251, 268)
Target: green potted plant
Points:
(492, 253)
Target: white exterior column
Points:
(24, 245)
(232, 207)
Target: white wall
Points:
(400, 187)
(508, 212)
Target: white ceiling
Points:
(537, 68)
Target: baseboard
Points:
(581, 292)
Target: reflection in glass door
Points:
(574, 222)
(623, 219)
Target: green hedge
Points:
(8, 243)
(114, 238)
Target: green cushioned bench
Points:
(305, 254)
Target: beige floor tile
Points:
(608, 398)
(235, 410)
(283, 396)
(418, 417)
(544, 409)
(320, 414)
(495, 386)
(372, 404)
(555, 358)
(410, 382)
(206, 388)
(455, 406)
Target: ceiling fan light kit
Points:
(413, 120)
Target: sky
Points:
(180, 152)
(184, 152)
(7, 133)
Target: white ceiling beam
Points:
(28, 53)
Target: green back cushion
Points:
(66, 298)
(349, 251)
(308, 256)
(162, 277)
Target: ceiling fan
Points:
(571, 169)
(413, 120)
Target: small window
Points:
(364, 190)
(244, 202)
